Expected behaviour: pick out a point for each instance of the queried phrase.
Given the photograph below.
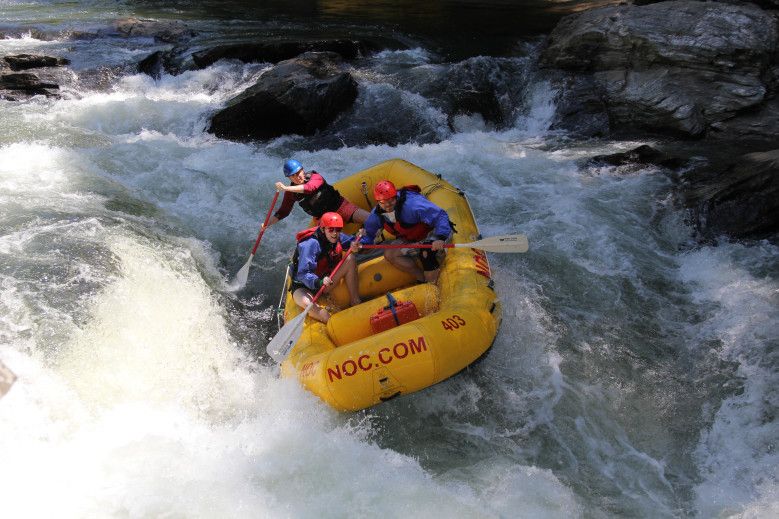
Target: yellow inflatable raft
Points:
(351, 368)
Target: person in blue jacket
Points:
(318, 252)
(411, 217)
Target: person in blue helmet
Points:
(314, 195)
(318, 252)
(408, 215)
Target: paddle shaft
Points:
(265, 223)
(323, 287)
(408, 246)
(507, 243)
(278, 348)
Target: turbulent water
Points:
(634, 375)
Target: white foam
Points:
(736, 455)
(542, 107)
(151, 409)
(144, 404)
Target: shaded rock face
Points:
(164, 31)
(156, 63)
(641, 156)
(742, 202)
(297, 96)
(474, 86)
(25, 84)
(679, 67)
(489, 87)
(273, 52)
(29, 61)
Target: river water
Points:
(634, 375)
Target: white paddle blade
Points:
(7, 379)
(506, 243)
(243, 275)
(278, 348)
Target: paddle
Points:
(7, 379)
(505, 243)
(278, 348)
(243, 274)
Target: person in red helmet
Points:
(314, 195)
(318, 251)
(408, 215)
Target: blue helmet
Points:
(291, 167)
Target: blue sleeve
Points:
(306, 274)
(372, 227)
(425, 211)
(346, 240)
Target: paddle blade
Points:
(7, 379)
(505, 243)
(240, 278)
(278, 348)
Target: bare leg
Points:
(404, 263)
(303, 298)
(431, 276)
(360, 215)
(348, 272)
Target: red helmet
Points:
(331, 220)
(384, 190)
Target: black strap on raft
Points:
(365, 194)
(392, 304)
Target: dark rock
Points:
(28, 84)
(297, 96)
(581, 107)
(642, 155)
(742, 202)
(675, 67)
(99, 79)
(273, 52)
(164, 31)
(380, 115)
(759, 125)
(155, 64)
(29, 61)
(152, 65)
(474, 86)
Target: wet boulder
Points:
(161, 30)
(297, 96)
(761, 125)
(480, 85)
(19, 62)
(677, 67)
(25, 84)
(275, 51)
(741, 202)
(642, 155)
(168, 61)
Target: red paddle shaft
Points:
(265, 224)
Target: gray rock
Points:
(741, 202)
(161, 30)
(275, 51)
(641, 155)
(473, 86)
(156, 63)
(678, 66)
(762, 125)
(297, 96)
(28, 61)
(26, 84)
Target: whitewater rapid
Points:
(634, 373)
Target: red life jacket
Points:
(328, 257)
(404, 231)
